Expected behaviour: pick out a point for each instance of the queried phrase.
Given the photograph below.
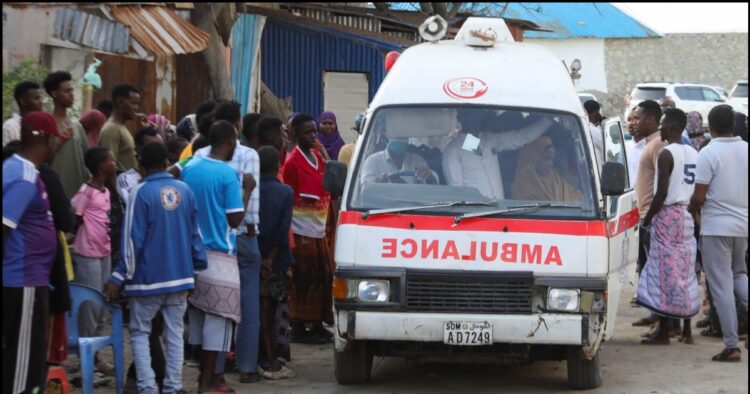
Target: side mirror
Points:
(335, 178)
(613, 178)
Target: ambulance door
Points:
(622, 225)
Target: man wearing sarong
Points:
(310, 298)
(668, 284)
(215, 304)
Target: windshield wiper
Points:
(512, 209)
(434, 205)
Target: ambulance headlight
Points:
(566, 300)
(373, 291)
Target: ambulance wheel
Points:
(353, 364)
(583, 374)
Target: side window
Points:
(710, 95)
(682, 92)
(614, 145)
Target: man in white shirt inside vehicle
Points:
(396, 165)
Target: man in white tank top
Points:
(668, 284)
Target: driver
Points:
(395, 159)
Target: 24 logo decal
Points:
(465, 88)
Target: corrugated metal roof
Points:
(564, 20)
(89, 30)
(294, 57)
(161, 31)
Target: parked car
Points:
(687, 96)
(738, 97)
(722, 91)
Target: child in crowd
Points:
(276, 200)
(92, 247)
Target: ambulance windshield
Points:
(484, 155)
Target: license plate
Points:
(467, 333)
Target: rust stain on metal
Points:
(161, 31)
(538, 326)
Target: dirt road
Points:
(629, 367)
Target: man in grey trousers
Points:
(721, 191)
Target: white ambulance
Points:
(475, 222)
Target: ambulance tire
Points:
(583, 374)
(353, 365)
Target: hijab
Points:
(530, 185)
(161, 124)
(334, 142)
(92, 121)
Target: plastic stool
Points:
(58, 373)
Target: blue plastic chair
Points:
(87, 347)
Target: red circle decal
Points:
(465, 88)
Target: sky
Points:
(690, 17)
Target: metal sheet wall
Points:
(294, 58)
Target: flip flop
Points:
(725, 356)
(224, 388)
(654, 341)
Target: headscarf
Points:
(92, 121)
(187, 128)
(529, 185)
(694, 128)
(334, 142)
(161, 124)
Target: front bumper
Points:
(540, 329)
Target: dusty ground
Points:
(629, 367)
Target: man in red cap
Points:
(29, 248)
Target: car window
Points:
(740, 90)
(689, 93)
(614, 146)
(710, 95)
(497, 156)
(643, 93)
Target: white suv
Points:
(738, 97)
(687, 96)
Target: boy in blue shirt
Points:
(162, 248)
(276, 200)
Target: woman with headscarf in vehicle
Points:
(538, 179)
(328, 134)
(92, 122)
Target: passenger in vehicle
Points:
(538, 179)
(479, 167)
(396, 165)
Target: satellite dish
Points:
(433, 29)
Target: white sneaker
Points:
(283, 373)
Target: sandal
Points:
(726, 355)
(703, 323)
(223, 388)
(249, 378)
(654, 341)
(645, 322)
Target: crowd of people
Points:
(692, 200)
(215, 233)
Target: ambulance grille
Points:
(470, 293)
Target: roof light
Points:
(484, 32)
(390, 60)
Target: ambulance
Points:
(477, 223)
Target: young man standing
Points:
(668, 285)
(68, 162)
(215, 305)
(721, 192)
(245, 162)
(114, 135)
(29, 248)
(28, 98)
(161, 211)
(310, 296)
(646, 117)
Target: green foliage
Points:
(28, 70)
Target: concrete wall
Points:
(24, 31)
(712, 58)
(591, 54)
